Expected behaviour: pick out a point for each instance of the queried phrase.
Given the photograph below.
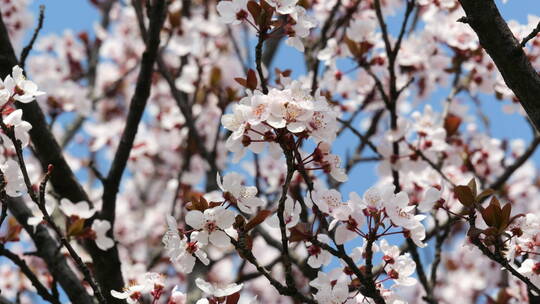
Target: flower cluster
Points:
(261, 119)
(297, 26)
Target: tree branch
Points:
(499, 42)
(40, 288)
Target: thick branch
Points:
(111, 276)
(497, 39)
(47, 249)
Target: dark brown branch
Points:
(281, 216)
(499, 42)
(367, 287)
(39, 200)
(392, 52)
(531, 35)
(516, 165)
(283, 290)
(40, 288)
(499, 258)
(258, 60)
(47, 249)
(28, 48)
(136, 109)
(111, 278)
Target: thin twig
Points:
(531, 35)
(26, 51)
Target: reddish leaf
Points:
(299, 233)
(472, 186)
(215, 77)
(259, 218)
(251, 80)
(505, 216)
(484, 194)
(13, 231)
(233, 299)
(241, 81)
(255, 11)
(175, 18)
(286, 73)
(353, 47)
(489, 215)
(451, 124)
(464, 195)
(266, 15)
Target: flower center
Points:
(210, 226)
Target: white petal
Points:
(194, 218)
(220, 239)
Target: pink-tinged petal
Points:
(344, 235)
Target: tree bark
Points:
(499, 42)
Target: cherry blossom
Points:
(15, 185)
(211, 224)
(135, 129)
(20, 129)
(242, 196)
(23, 90)
(80, 209)
(234, 11)
(181, 252)
(134, 292)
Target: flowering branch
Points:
(41, 290)
(39, 199)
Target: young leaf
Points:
(451, 124)
(484, 194)
(233, 299)
(259, 218)
(505, 216)
(251, 80)
(241, 81)
(255, 11)
(76, 228)
(465, 195)
(299, 233)
(472, 185)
